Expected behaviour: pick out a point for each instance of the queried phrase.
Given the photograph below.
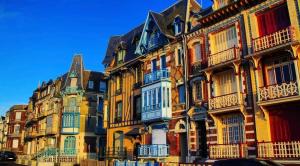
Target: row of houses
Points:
(64, 117)
(191, 84)
(187, 85)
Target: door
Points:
(183, 147)
(202, 148)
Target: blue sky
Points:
(39, 37)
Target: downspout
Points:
(187, 105)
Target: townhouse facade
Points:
(16, 117)
(65, 117)
(225, 87)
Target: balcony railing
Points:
(153, 151)
(278, 91)
(71, 109)
(279, 150)
(156, 76)
(220, 151)
(224, 101)
(272, 40)
(121, 153)
(223, 56)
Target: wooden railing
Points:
(277, 91)
(220, 151)
(279, 150)
(224, 101)
(223, 56)
(275, 39)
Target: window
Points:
(91, 84)
(72, 102)
(177, 26)
(154, 39)
(145, 99)
(121, 55)
(179, 57)
(233, 129)
(119, 112)
(15, 143)
(279, 71)
(181, 93)
(119, 83)
(164, 97)
(154, 97)
(159, 95)
(168, 98)
(118, 140)
(100, 104)
(137, 108)
(197, 52)
(70, 145)
(100, 122)
(71, 120)
(17, 129)
(89, 121)
(224, 40)
(154, 64)
(197, 91)
(18, 115)
(102, 86)
(225, 83)
(49, 121)
(163, 62)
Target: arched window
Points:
(177, 26)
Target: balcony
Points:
(278, 91)
(224, 151)
(225, 101)
(272, 40)
(153, 151)
(156, 76)
(155, 112)
(279, 150)
(224, 56)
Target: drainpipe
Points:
(187, 105)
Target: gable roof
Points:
(163, 20)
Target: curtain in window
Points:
(225, 83)
(273, 20)
(224, 40)
(284, 124)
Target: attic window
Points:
(121, 56)
(177, 26)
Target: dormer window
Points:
(177, 26)
(120, 56)
(91, 84)
(153, 39)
